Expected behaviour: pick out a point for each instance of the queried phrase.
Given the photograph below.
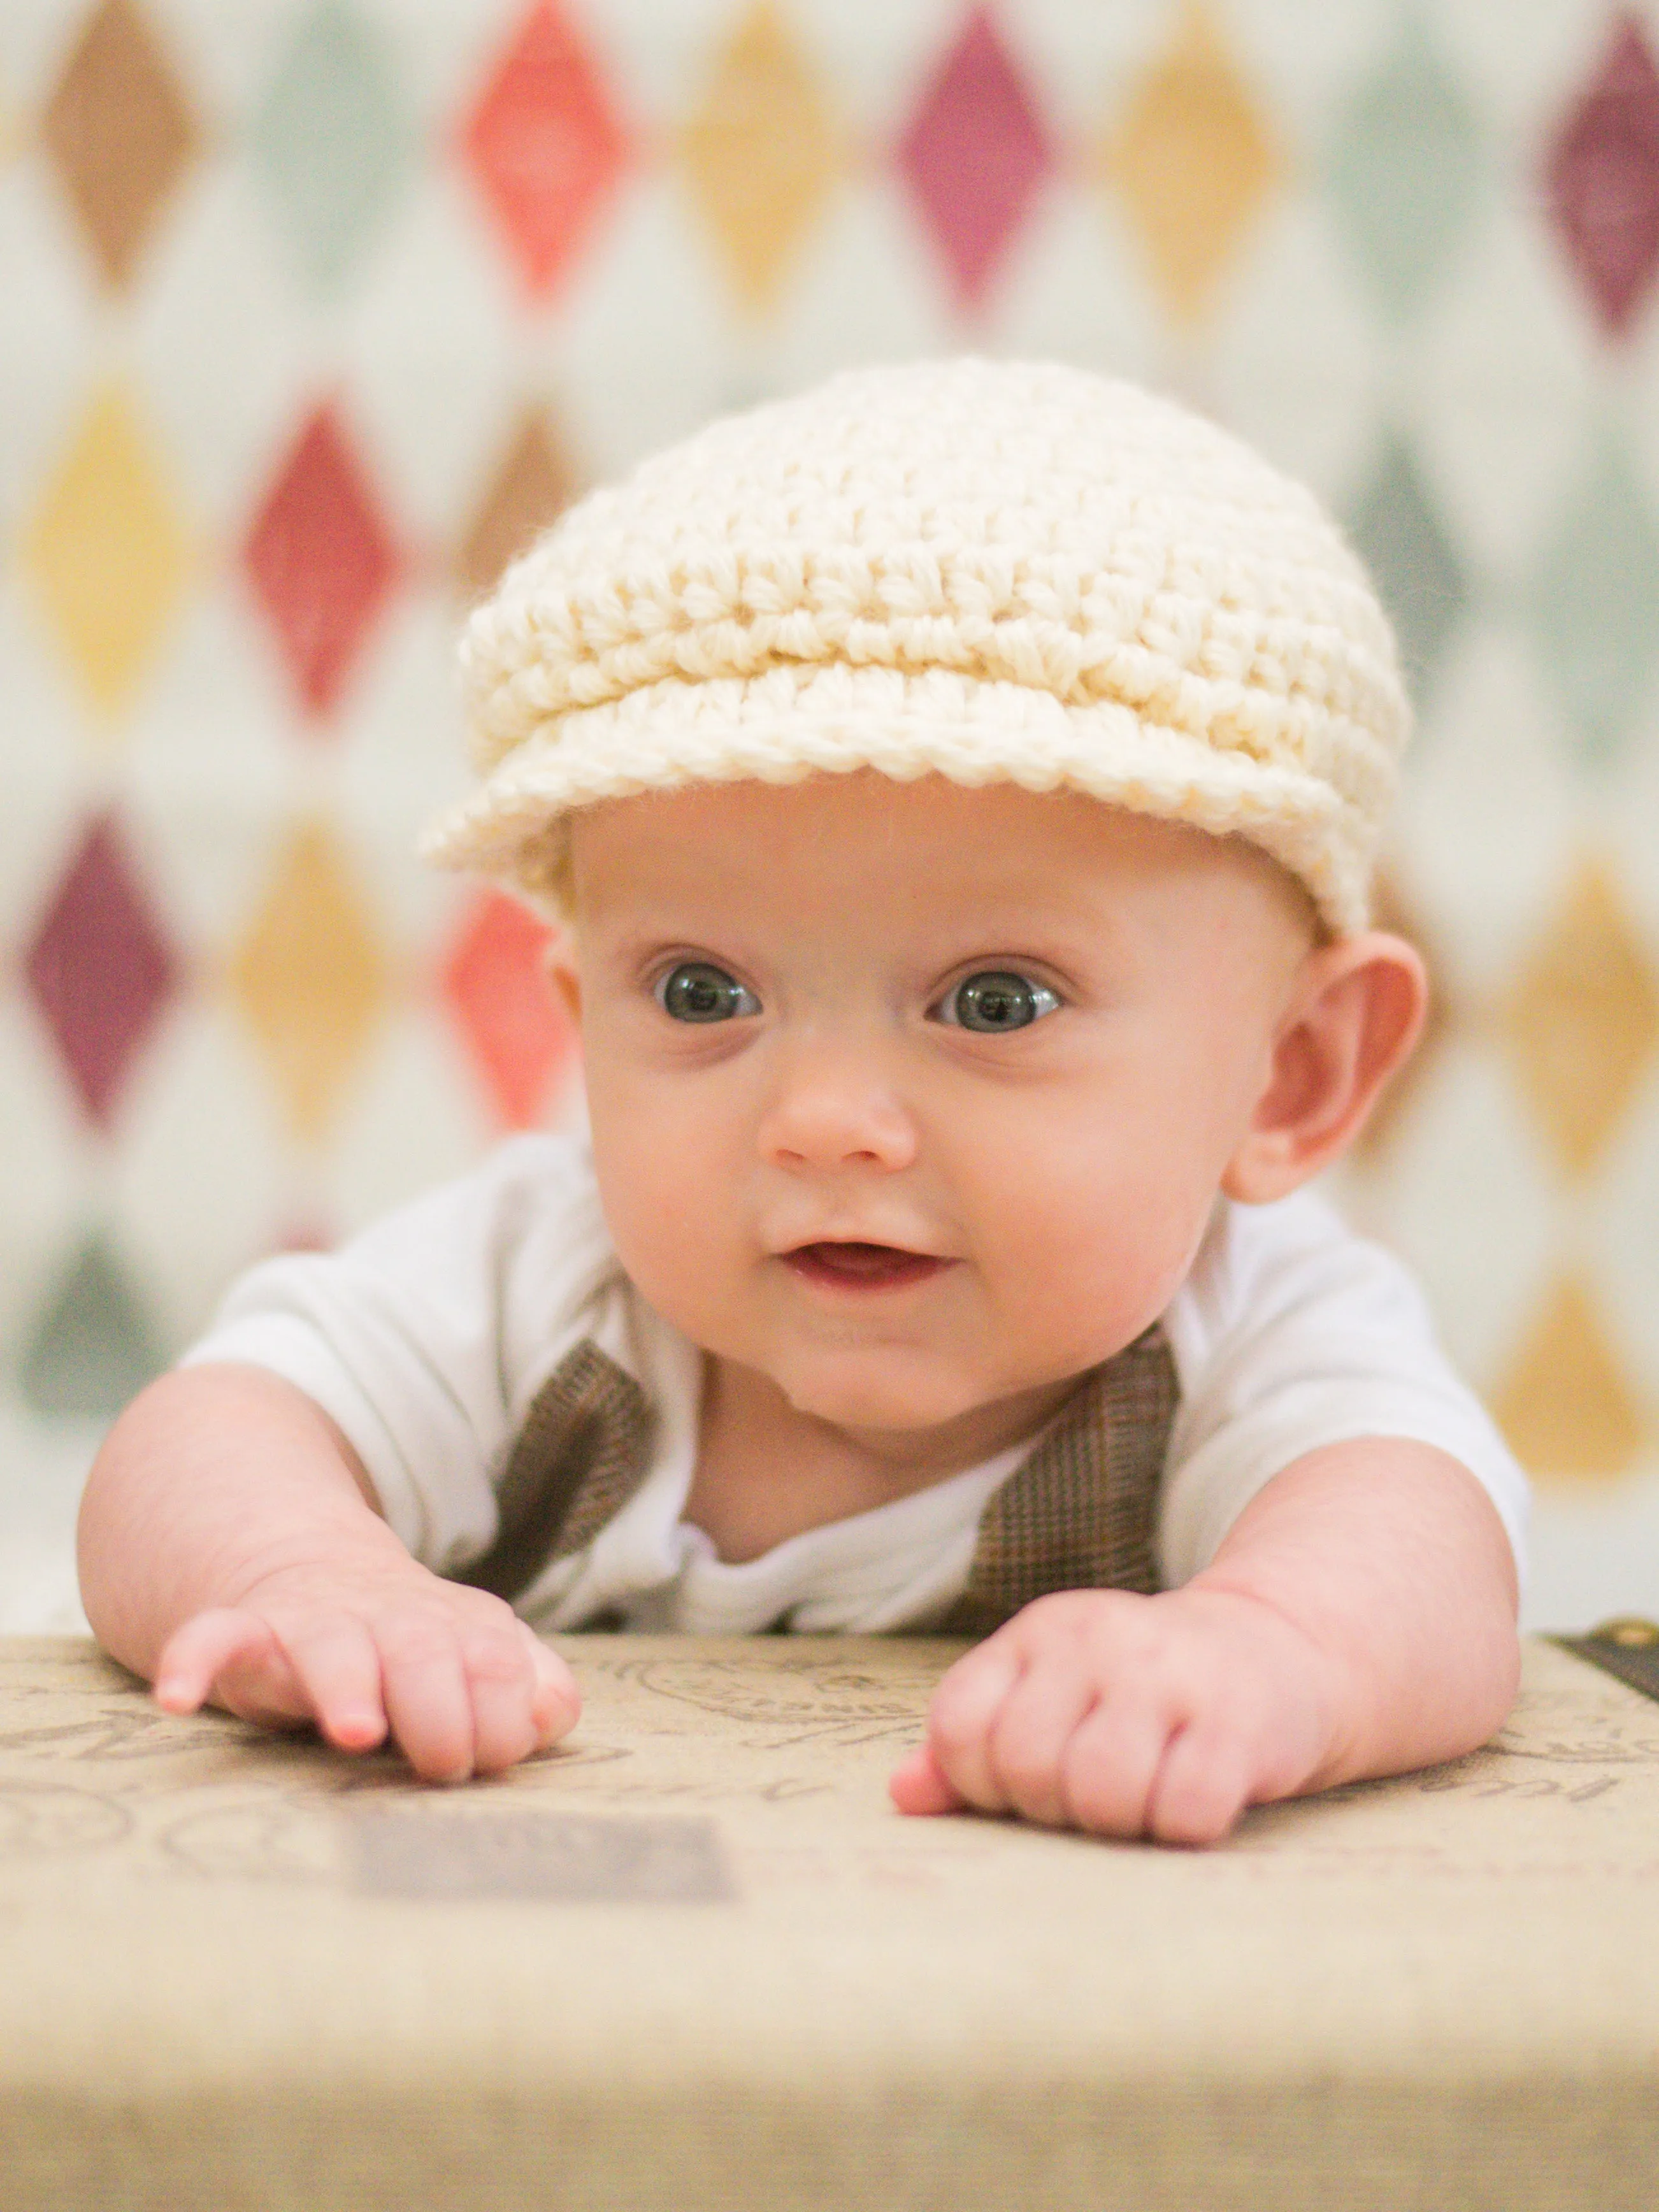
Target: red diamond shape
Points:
(322, 560)
(100, 969)
(975, 154)
(545, 145)
(1603, 180)
(516, 1029)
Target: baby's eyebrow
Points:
(1035, 937)
(635, 954)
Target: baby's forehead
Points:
(930, 846)
(866, 807)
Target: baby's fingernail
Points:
(358, 1730)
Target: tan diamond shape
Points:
(311, 978)
(533, 484)
(760, 155)
(1565, 1403)
(1582, 1019)
(119, 133)
(108, 553)
(1193, 160)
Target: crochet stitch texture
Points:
(985, 570)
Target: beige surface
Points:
(695, 1961)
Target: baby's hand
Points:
(1128, 1715)
(374, 1647)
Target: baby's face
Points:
(917, 1099)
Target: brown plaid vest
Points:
(1077, 1513)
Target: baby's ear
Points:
(1352, 1018)
(559, 964)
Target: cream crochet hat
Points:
(994, 571)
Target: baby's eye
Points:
(697, 991)
(996, 1000)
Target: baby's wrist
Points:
(1306, 1689)
(343, 1553)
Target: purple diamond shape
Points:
(100, 969)
(975, 155)
(1603, 180)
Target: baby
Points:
(957, 788)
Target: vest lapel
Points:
(581, 1454)
(1080, 1513)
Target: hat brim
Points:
(794, 722)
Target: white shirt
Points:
(428, 1337)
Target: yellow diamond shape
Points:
(311, 978)
(1583, 1020)
(1193, 160)
(760, 155)
(1565, 1405)
(108, 553)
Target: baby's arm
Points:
(1358, 1620)
(231, 1549)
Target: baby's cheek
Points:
(1092, 1254)
(673, 1223)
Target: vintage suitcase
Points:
(695, 1963)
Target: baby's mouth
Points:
(862, 1266)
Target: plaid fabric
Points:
(581, 1454)
(1078, 1514)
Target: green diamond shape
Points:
(94, 1346)
(1398, 535)
(1592, 599)
(1404, 172)
(331, 139)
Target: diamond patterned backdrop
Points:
(313, 310)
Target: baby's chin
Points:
(897, 1393)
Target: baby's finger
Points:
(918, 1785)
(524, 1696)
(339, 1672)
(557, 1703)
(196, 1656)
(959, 1721)
(427, 1701)
(1200, 1788)
(1108, 1766)
(500, 1676)
(1029, 1737)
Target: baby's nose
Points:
(830, 1111)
